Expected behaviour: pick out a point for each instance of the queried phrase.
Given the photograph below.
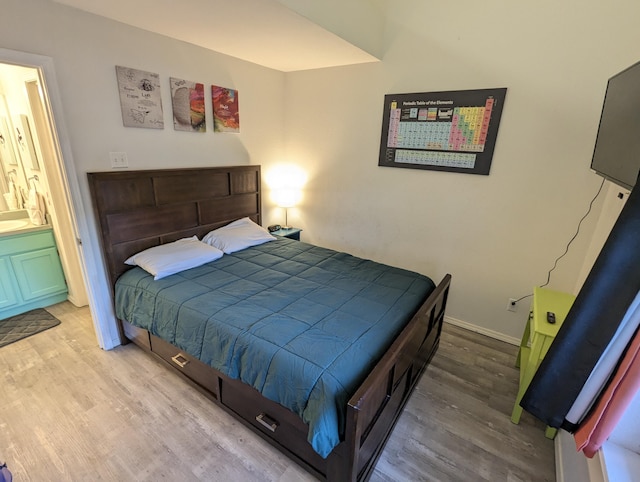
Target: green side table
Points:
(537, 338)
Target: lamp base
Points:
(286, 219)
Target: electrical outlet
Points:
(512, 305)
(119, 160)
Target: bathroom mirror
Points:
(12, 174)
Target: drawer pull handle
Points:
(267, 422)
(180, 360)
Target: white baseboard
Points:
(75, 302)
(483, 331)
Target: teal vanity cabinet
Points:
(30, 272)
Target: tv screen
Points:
(617, 152)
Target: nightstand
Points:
(291, 233)
(537, 338)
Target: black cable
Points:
(555, 264)
(575, 235)
(520, 299)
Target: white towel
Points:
(36, 207)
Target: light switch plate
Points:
(119, 160)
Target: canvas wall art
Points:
(187, 99)
(226, 113)
(140, 98)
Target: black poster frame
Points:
(452, 131)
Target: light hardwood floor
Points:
(71, 411)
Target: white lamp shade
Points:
(286, 198)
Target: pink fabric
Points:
(598, 425)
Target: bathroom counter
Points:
(19, 226)
(18, 222)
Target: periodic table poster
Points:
(443, 131)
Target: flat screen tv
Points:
(617, 152)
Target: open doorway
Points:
(37, 168)
(83, 263)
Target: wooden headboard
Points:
(136, 210)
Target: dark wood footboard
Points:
(375, 407)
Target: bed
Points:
(136, 210)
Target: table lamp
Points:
(287, 198)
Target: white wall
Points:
(615, 197)
(498, 234)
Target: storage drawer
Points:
(277, 422)
(193, 368)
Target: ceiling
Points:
(264, 32)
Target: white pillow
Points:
(238, 235)
(167, 259)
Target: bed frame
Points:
(139, 209)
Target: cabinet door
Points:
(39, 273)
(8, 295)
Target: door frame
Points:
(93, 272)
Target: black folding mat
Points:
(26, 324)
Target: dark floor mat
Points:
(26, 324)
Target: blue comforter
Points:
(301, 324)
